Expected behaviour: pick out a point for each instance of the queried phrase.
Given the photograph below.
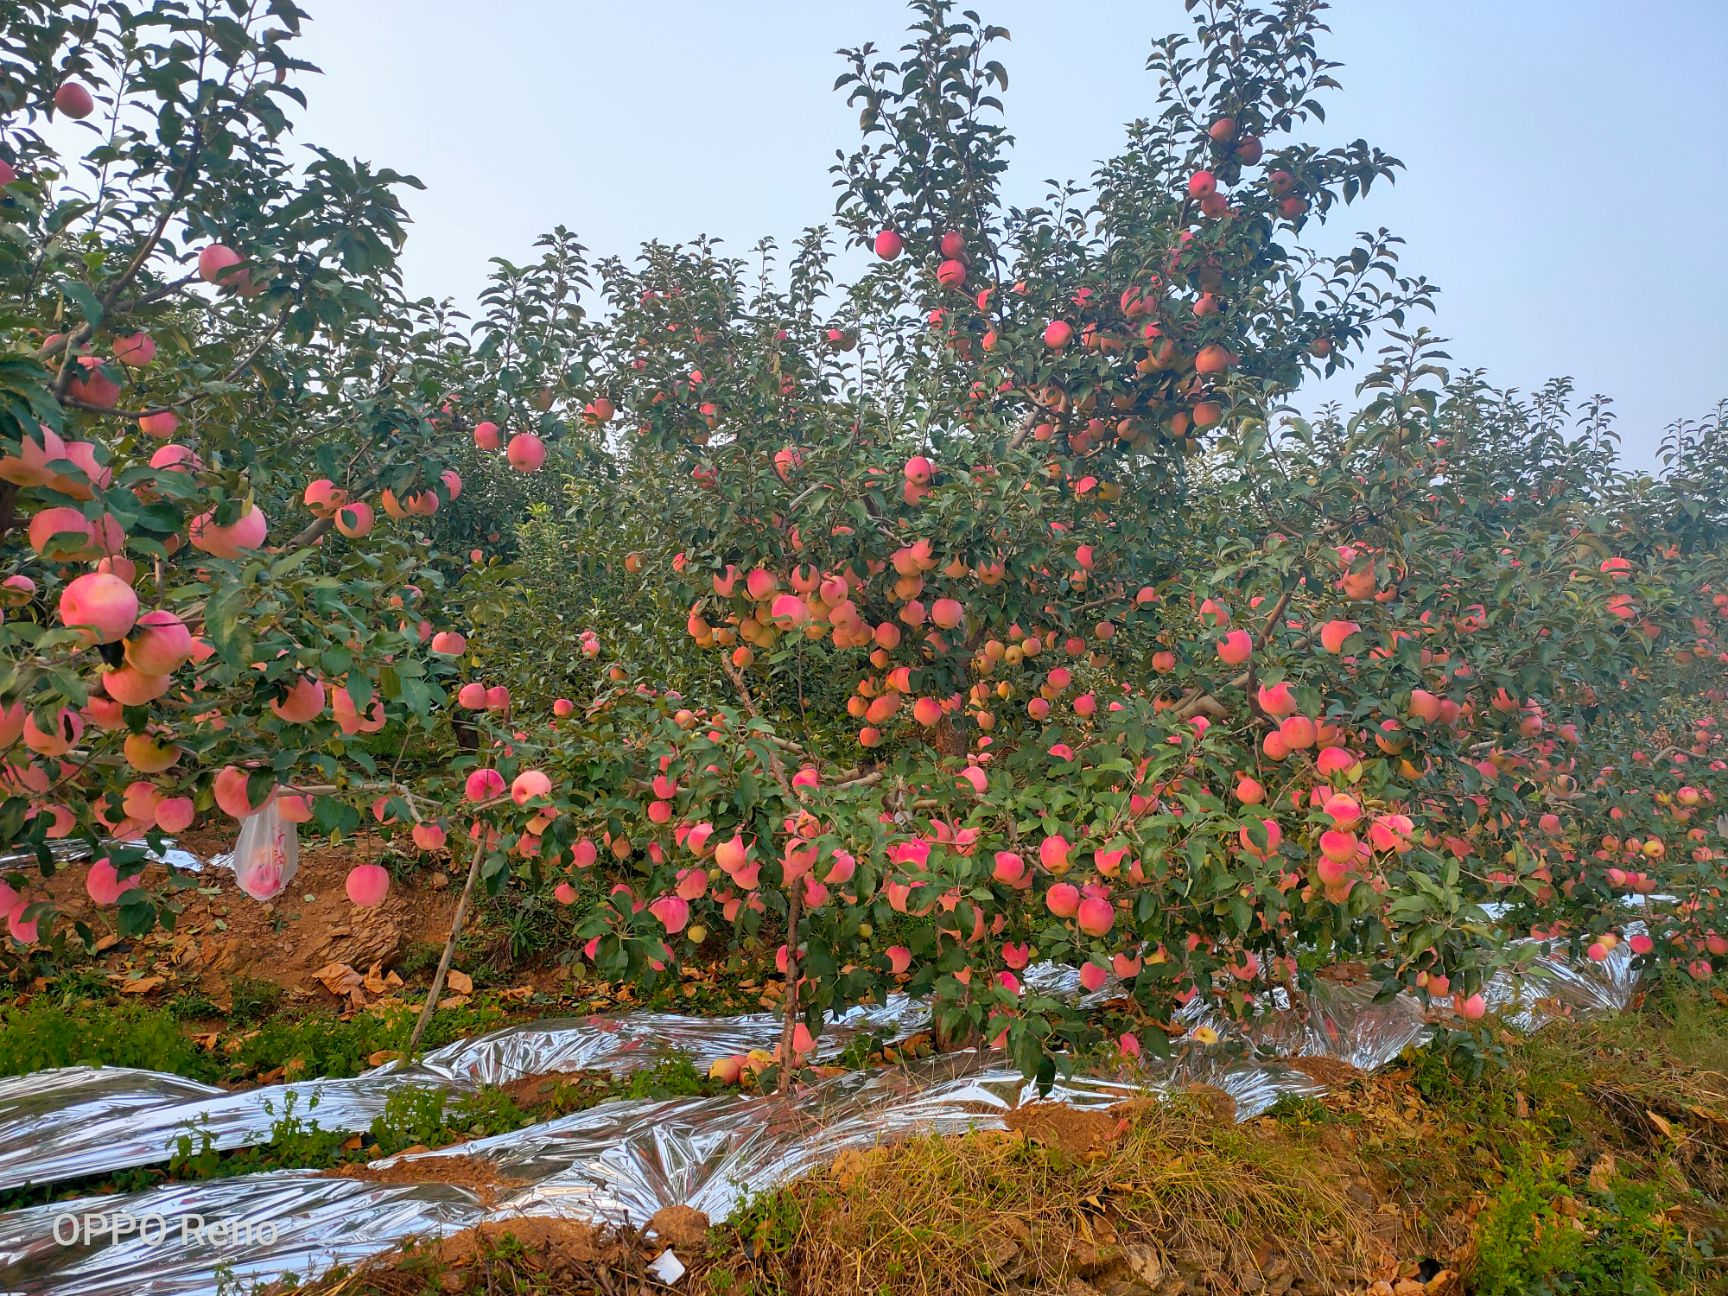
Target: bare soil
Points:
(476, 1174)
(1081, 1132)
(682, 1227)
(221, 932)
(531, 1254)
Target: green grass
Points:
(1601, 1144)
(1537, 1238)
(521, 926)
(53, 1032)
(251, 1000)
(193, 1005)
(48, 1033)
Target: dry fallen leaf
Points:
(219, 954)
(337, 978)
(1602, 1173)
(143, 985)
(1705, 1114)
(1663, 1127)
(460, 982)
(382, 1056)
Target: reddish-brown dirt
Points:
(555, 1243)
(222, 933)
(526, 1254)
(683, 1227)
(479, 1176)
(532, 1091)
(1080, 1132)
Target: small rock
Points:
(1145, 1263)
(1279, 1275)
(1089, 1258)
(1000, 1255)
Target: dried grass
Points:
(1378, 1187)
(1149, 1197)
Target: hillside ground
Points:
(1589, 1159)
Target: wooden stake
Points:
(789, 1022)
(449, 949)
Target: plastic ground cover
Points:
(620, 1161)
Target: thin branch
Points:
(83, 332)
(240, 367)
(1028, 421)
(1198, 701)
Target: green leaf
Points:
(222, 614)
(86, 301)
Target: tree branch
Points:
(82, 334)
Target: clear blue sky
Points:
(1567, 186)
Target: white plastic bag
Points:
(267, 855)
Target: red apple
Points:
(74, 100)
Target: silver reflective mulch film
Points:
(620, 1161)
